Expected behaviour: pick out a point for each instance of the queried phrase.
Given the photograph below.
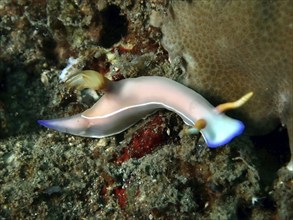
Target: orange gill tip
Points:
(232, 105)
(89, 79)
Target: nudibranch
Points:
(127, 101)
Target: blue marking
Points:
(237, 132)
(46, 123)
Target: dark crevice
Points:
(114, 26)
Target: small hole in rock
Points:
(114, 26)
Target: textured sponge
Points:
(232, 47)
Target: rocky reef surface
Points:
(149, 171)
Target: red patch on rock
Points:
(121, 196)
(145, 140)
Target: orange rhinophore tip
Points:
(232, 105)
(200, 124)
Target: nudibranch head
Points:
(222, 131)
(212, 134)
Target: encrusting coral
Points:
(231, 47)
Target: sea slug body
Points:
(127, 101)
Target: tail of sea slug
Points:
(73, 125)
